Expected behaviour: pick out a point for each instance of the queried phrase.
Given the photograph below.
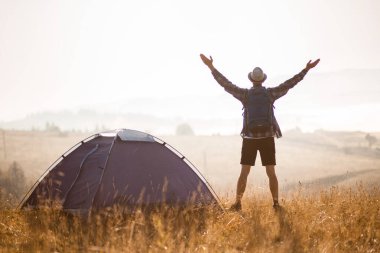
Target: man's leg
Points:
(273, 183)
(242, 182)
(248, 158)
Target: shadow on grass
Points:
(286, 234)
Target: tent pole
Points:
(198, 173)
(27, 195)
(101, 177)
(77, 176)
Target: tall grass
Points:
(334, 220)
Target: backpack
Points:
(258, 110)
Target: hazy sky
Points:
(62, 54)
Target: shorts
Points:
(265, 146)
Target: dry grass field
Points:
(329, 189)
(335, 220)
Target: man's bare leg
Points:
(273, 183)
(242, 182)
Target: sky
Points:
(58, 55)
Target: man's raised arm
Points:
(237, 92)
(283, 88)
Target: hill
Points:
(342, 100)
(309, 158)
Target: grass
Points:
(339, 219)
(334, 220)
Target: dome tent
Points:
(121, 167)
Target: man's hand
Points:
(311, 65)
(208, 62)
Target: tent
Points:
(121, 167)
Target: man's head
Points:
(257, 76)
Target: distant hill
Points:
(344, 100)
(89, 120)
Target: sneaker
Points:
(235, 207)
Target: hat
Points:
(257, 75)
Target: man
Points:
(260, 125)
